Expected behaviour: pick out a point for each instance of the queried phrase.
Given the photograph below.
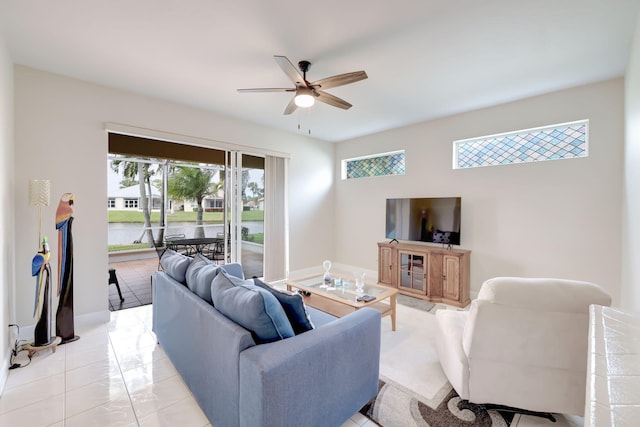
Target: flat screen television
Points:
(428, 219)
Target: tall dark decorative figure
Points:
(42, 304)
(64, 315)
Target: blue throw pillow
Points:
(293, 306)
(234, 269)
(199, 276)
(175, 264)
(253, 308)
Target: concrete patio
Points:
(134, 277)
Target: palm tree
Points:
(192, 183)
(139, 170)
(256, 191)
(141, 173)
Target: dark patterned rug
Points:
(396, 406)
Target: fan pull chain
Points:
(300, 122)
(309, 120)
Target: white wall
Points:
(59, 136)
(545, 219)
(631, 204)
(6, 214)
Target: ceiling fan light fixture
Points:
(304, 98)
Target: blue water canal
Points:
(126, 233)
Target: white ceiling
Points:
(425, 58)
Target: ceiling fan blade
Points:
(339, 80)
(291, 106)
(327, 98)
(268, 89)
(290, 70)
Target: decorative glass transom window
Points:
(563, 141)
(376, 165)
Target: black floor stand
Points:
(502, 408)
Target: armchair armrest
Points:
(320, 377)
(449, 345)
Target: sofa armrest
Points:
(321, 377)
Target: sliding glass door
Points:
(178, 200)
(246, 211)
(160, 191)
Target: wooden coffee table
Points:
(340, 301)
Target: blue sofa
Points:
(317, 378)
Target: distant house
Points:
(253, 205)
(210, 204)
(128, 198)
(213, 204)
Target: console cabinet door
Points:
(412, 275)
(451, 277)
(436, 276)
(385, 263)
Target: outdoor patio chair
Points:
(169, 242)
(160, 247)
(218, 252)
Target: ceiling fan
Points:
(306, 93)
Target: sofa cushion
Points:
(234, 269)
(199, 276)
(250, 306)
(293, 306)
(175, 264)
(202, 271)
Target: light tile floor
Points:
(114, 375)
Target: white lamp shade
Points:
(304, 98)
(39, 192)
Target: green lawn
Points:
(130, 247)
(181, 216)
(256, 238)
(208, 218)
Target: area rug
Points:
(416, 303)
(397, 406)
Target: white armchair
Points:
(523, 343)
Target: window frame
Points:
(131, 200)
(343, 166)
(458, 143)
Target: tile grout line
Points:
(135, 415)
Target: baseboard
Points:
(4, 371)
(97, 317)
(80, 320)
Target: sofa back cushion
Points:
(250, 306)
(199, 276)
(293, 306)
(175, 265)
(202, 271)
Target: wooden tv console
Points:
(433, 273)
